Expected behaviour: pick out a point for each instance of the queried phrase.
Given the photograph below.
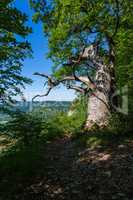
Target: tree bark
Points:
(99, 101)
(99, 89)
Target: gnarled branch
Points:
(77, 88)
(55, 82)
(43, 95)
(51, 82)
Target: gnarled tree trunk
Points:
(98, 101)
(98, 88)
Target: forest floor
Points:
(84, 168)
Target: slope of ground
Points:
(69, 169)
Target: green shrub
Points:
(121, 124)
(61, 123)
(24, 126)
(43, 124)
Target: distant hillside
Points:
(30, 106)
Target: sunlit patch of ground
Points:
(6, 142)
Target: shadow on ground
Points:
(69, 169)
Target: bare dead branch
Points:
(54, 82)
(43, 95)
(43, 75)
(83, 79)
(87, 80)
(77, 88)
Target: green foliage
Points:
(69, 26)
(121, 124)
(24, 126)
(44, 124)
(12, 50)
(66, 123)
(124, 52)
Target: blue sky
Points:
(39, 62)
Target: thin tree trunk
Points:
(98, 102)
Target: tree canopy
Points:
(13, 50)
(71, 26)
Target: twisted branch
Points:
(54, 82)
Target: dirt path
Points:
(75, 172)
